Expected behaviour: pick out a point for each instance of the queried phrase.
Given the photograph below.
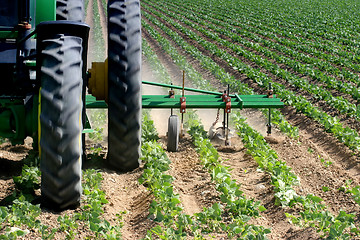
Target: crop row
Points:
(280, 35)
(297, 24)
(339, 103)
(211, 219)
(345, 134)
(104, 6)
(312, 213)
(235, 202)
(166, 206)
(227, 30)
(99, 48)
(155, 63)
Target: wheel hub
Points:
(98, 80)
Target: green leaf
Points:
(262, 208)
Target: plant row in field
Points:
(280, 35)
(157, 67)
(181, 61)
(99, 48)
(235, 202)
(313, 213)
(320, 74)
(346, 135)
(298, 26)
(21, 217)
(166, 208)
(211, 219)
(319, 31)
(218, 72)
(339, 103)
(104, 6)
(261, 32)
(86, 3)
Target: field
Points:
(301, 182)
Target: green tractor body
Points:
(43, 70)
(18, 57)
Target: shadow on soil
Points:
(10, 168)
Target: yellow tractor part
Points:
(98, 81)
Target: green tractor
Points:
(43, 55)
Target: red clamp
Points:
(227, 101)
(183, 105)
(171, 94)
(224, 96)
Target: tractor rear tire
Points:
(173, 133)
(124, 81)
(61, 121)
(72, 10)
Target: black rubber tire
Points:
(72, 10)
(124, 81)
(61, 122)
(173, 133)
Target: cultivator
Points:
(43, 52)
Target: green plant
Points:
(148, 131)
(68, 226)
(96, 151)
(96, 135)
(97, 117)
(325, 163)
(355, 191)
(28, 181)
(23, 213)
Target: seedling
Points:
(326, 163)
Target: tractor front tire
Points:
(61, 121)
(124, 81)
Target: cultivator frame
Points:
(204, 100)
(207, 100)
